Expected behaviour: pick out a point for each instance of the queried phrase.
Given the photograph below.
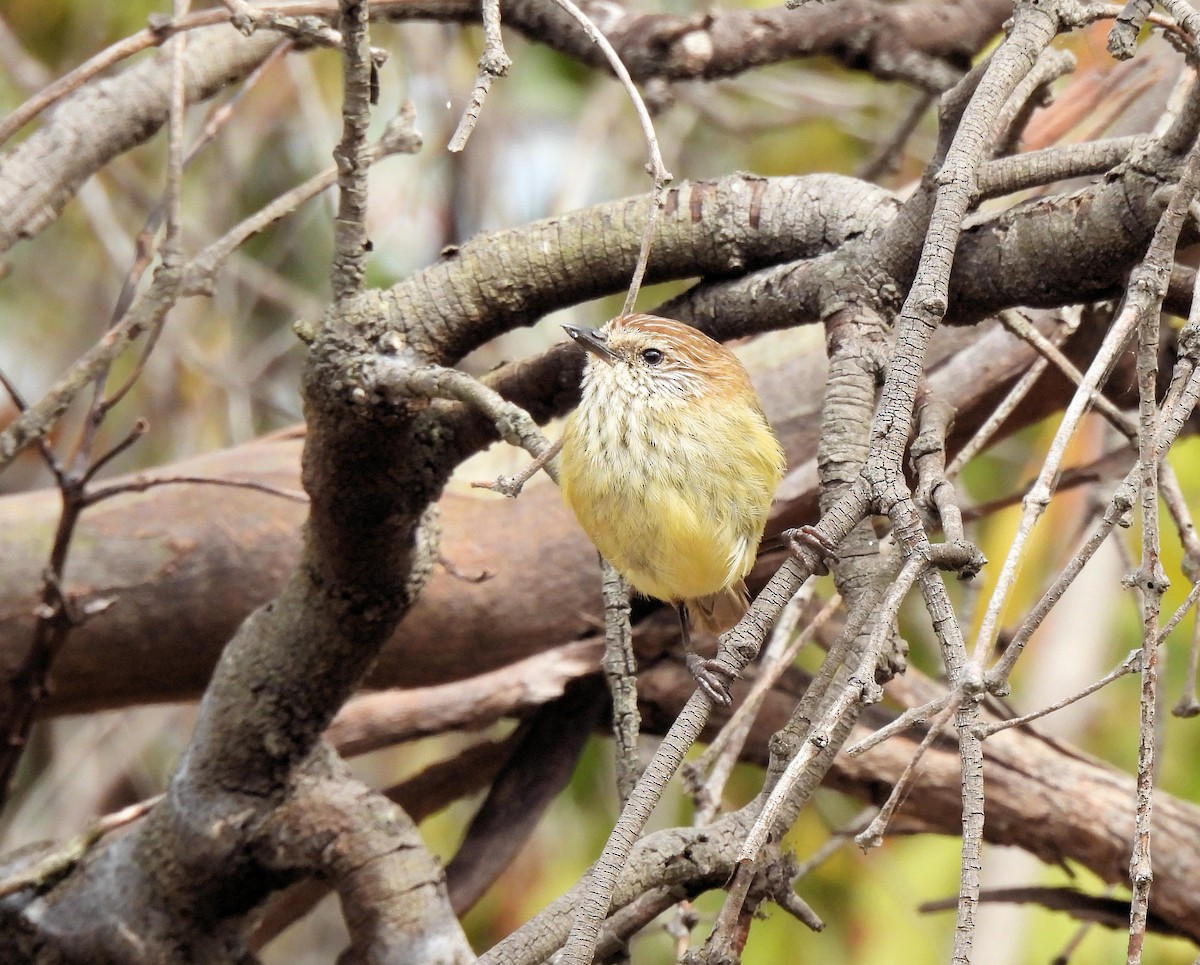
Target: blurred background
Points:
(552, 137)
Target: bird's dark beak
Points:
(593, 341)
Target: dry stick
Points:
(1020, 326)
(656, 167)
(59, 614)
(169, 252)
(139, 484)
(493, 62)
(720, 757)
(1174, 405)
(872, 835)
(1011, 400)
(887, 160)
(47, 453)
(1038, 168)
(860, 688)
(1188, 704)
(1147, 288)
(722, 753)
(722, 942)
(1116, 513)
(175, 159)
(304, 22)
(1077, 937)
(836, 841)
(64, 857)
(1051, 65)
(910, 718)
(397, 138)
(1183, 12)
(933, 490)
(119, 51)
(1180, 613)
(1123, 36)
(35, 421)
(1132, 662)
(1038, 496)
(286, 18)
(1091, 13)
(351, 156)
(1177, 406)
(400, 377)
(1181, 397)
(620, 670)
(166, 287)
(511, 486)
(217, 119)
(310, 29)
(1119, 506)
(1172, 495)
(1168, 483)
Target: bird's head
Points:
(657, 358)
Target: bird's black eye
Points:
(652, 356)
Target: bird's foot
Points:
(713, 678)
(812, 537)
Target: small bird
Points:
(670, 466)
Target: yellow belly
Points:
(678, 516)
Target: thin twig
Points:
(1148, 286)
(888, 158)
(351, 157)
(910, 718)
(304, 28)
(837, 840)
(493, 62)
(398, 138)
(1188, 704)
(858, 688)
(1011, 400)
(144, 243)
(139, 484)
(511, 486)
(172, 193)
(872, 835)
(720, 757)
(398, 378)
(58, 863)
(122, 50)
(1131, 663)
(657, 169)
(1038, 496)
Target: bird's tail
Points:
(720, 611)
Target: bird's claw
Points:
(813, 538)
(713, 677)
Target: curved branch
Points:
(92, 126)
